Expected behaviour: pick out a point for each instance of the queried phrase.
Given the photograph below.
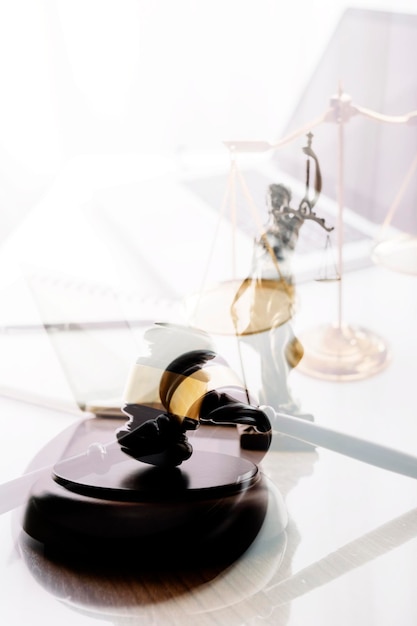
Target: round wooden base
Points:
(208, 510)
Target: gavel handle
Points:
(367, 451)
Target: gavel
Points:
(197, 387)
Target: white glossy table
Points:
(349, 553)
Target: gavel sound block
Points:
(153, 503)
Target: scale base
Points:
(342, 353)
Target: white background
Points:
(111, 77)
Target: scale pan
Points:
(398, 254)
(243, 307)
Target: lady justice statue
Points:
(258, 309)
(272, 301)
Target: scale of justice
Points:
(184, 464)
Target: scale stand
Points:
(342, 352)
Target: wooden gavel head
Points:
(197, 387)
